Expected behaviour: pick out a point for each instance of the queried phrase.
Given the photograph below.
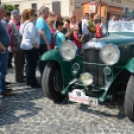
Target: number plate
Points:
(79, 96)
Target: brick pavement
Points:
(30, 112)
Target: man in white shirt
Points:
(86, 28)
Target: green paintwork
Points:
(66, 66)
(125, 43)
(130, 66)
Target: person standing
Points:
(5, 21)
(19, 60)
(4, 43)
(50, 22)
(98, 28)
(86, 28)
(73, 23)
(92, 26)
(66, 29)
(30, 45)
(7, 18)
(59, 36)
(44, 30)
(77, 39)
(45, 34)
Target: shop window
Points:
(34, 6)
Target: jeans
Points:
(3, 70)
(31, 64)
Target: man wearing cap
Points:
(4, 43)
(13, 29)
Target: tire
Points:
(129, 99)
(52, 81)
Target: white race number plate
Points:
(79, 96)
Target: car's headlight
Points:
(110, 54)
(68, 50)
(86, 79)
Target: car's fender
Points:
(66, 66)
(130, 66)
(122, 76)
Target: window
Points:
(17, 7)
(34, 6)
(127, 9)
(56, 7)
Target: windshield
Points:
(121, 26)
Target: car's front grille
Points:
(93, 56)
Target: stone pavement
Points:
(30, 112)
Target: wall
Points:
(23, 4)
(44, 3)
(66, 5)
(65, 8)
(121, 3)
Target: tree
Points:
(8, 7)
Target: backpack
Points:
(16, 38)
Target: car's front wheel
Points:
(129, 99)
(52, 81)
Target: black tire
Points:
(129, 99)
(51, 86)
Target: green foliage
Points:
(9, 7)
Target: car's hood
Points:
(118, 40)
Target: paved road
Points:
(30, 112)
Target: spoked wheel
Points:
(52, 81)
(129, 99)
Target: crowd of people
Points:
(25, 37)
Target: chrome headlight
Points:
(86, 79)
(110, 54)
(68, 50)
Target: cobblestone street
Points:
(30, 112)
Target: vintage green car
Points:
(105, 70)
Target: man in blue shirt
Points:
(44, 30)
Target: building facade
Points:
(63, 7)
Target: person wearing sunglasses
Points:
(51, 22)
(29, 45)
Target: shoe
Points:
(8, 94)
(20, 81)
(9, 90)
(8, 83)
(36, 86)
